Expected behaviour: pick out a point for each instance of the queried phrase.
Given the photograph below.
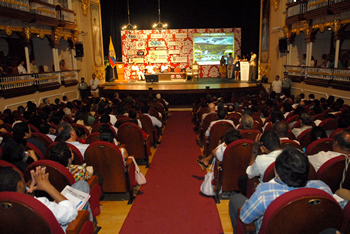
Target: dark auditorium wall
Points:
(180, 14)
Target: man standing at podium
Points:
(252, 64)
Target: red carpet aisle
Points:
(170, 201)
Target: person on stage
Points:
(223, 67)
(164, 68)
(137, 69)
(229, 66)
(150, 68)
(252, 64)
(237, 67)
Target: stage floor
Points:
(180, 84)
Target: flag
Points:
(111, 54)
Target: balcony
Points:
(18, 9)
(67, 18)
(337, 78)
(295, 11)
(45, 13)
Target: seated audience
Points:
(341, 146)
(63, 209)
(247, 122)
(317, 133)
(66, 133)
(305, 123)
(230, 136)
(221, 115)
(291, 172)
(81, 117)
(21, 69)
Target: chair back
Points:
(68, 119)
(120, 121)
(96, 128)
(59, 175)
(329, 124)
(235, 119)
(32, 214)
(33, 128)
(4, 163)
(155, 113)
(268, 127)
(93, 137)
(130, 134)
(249, 134)
(284, 143)
(235, 164)
(107, 160)
(257, 118)
(216, 132)
(331, 172)
(147, 126)
(304, 138)
(43, 138)
(291, 135)
(257, 126)
(317, 210)
(318, 117)
(335, 132)
(324, 144)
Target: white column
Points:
(308, 53)
(74, 60)
(337, 47)
(26, 51)
(55, 59)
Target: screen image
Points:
(208, 48)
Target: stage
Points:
(180, 93)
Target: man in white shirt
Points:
(66, 133)
(229, 66)
(150, 68)
(211, 107)
(252, 64)
(155, 121)
(94, 84)
(137, 70)
(21, 69)
(277, 85)
(271, 145)
(305, 122)
(341, 146)
(63, 209)
(164, 68)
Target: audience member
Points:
(291, 172)
(305, 123)
(341, 146)
(222, 115)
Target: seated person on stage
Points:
(63, 209)
(164, 68)
(291, 172)
(150, 68)
(66, 133)
(221, 115)
(305, 123)
(230, 136)
(341, 146)
(137, 69)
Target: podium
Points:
(244, 71)
(120, 72)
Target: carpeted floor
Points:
(170, 201)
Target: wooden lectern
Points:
(120, 72)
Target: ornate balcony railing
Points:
(42, 8)
(17, 81)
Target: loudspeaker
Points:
(151, 78)
(282, 44)
(79, 50)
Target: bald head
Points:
(247, 122)
(211, 107)
(342, 142)
(281, 128)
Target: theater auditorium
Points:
(174, 116)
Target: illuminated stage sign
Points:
(174, 51)
(176, 59)
(157, 56)
(132, 36)
(180, 35)
(173, 43)
(140, 45)
(136, 60)
(140, 53)
(156, 36)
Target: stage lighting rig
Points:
(159, 26)
(129, 26)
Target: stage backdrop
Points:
(180, 47)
